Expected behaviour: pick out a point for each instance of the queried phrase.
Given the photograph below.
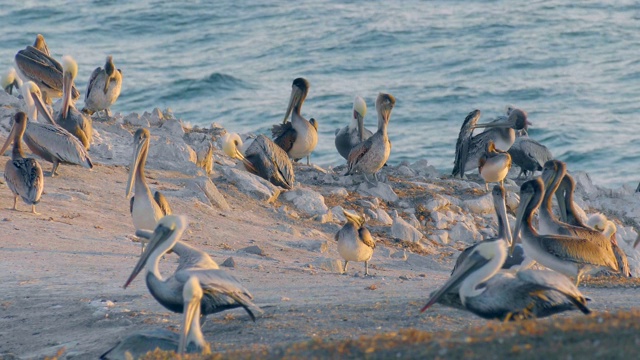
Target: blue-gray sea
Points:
(574, 66)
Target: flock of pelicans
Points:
(492, 278)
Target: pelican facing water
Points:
(103, 88)
(353, 134)
(145, 209)
(529, 155)
(49, 141)
(69, 117)
(263, 158)
(502, 132)
(567, 255)
(299, 137)
(23, 175)
(355, 242)
(221, 290)
(494, 165)
(370, 155)
(507, 296)
(10, 80)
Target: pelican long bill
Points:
(135, 163)
(160, 234)
(294, 100)
(525, 199)
(42, 109)
(67, 83)
(193, 292)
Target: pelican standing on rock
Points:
(263, 158)
(44, 71)
(568, 255)
(299, 137)
(103, 88)
(529, 155)
(145, 209)
(370, 155)
(10, 80)
(523, 295)
(49, 141)
(69, 117)
(355, 242)
(353, 134)
(221, 290)
(23, 175)
(494, 165)
(502, 132)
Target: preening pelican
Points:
(263, 158)
(299, 137)
(23, 175)
(10, 80)
(501, 131)
(49, 141)
(103, 89)
(221, 290)
(355, 133)
(568, 255)
(190, 340)
(529, 155)
(145, 209)
(526, 294)
(494, 165)
(41, 45)
(355, 242)
(609, 229)
(69, 117)
(370, 155)
(43, 70)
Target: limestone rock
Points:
(252, 185)
(440, 236)
(204, 185)
(413, 221)
(135, 120)
(328, 264)
(229, 262)
(337, 213)
(170, 153)
(380, 190)
(512, 200)
(438, 202)
(383, 217)
(321, 246)
(402, 255)
(465, 233)
(403, 230)
(339, 191)
(480, 206)
(306, 201)
(254, 249)
(174, 127)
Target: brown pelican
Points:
(43, 70)
(11, 80)
(49, 141)
(355, 133)
(370, 155)
(494, 165)
(145, 209)
(298, 137)
(263, 158)
(529, 155)
(221, 290)
(507, 296)
(355, 242)
(501, 131)
(103, 89)
(142, 342)
(609, 229)
(69, 117)
(41, 45)
(23, 175)
(568, 255)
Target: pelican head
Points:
(17, 131)
(553, 171)
(607, 227)
(299, 91)
(384, 105)
(231, 143)
(191, 294)
(499, 203)
(33, 98)
(69, 73)
(10, 79)
(355, 219)
(141, 140)
(531, 193)
(359, 110)
(168, 231)
(109, 69)
(41, 45)
(481, 264)
(517, 119)
(314, 123)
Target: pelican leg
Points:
(345, 267)
(366, 268)
(309, 160)
(54, 171)
(15, 202)
(486, 186)
(508, 317)
(579, 276)
(33, 210)
(107, 112)
(501, 183)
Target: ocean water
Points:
(573, 66)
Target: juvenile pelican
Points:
(23, 175)
(145, 209)
(11, 80)
(568, 255)
(355, 242)
(263, 158)
(370, 155)
(43, 70)
(221, 290)
(609, 229)
(49, 141)
(470, 148)
(494, 165)
(299, 137)
(142, 342)
(69, 117)
(103, 89)
(525, 294)
(355, 133)
(570, 213)
(529, 155)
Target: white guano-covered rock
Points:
(170, 153)
(380, 190)
(464, 232)
(480, 206)
(205, 186)
(403, 230)
(383, 217)
(306, 201)
(252, 185)
(438, 202)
